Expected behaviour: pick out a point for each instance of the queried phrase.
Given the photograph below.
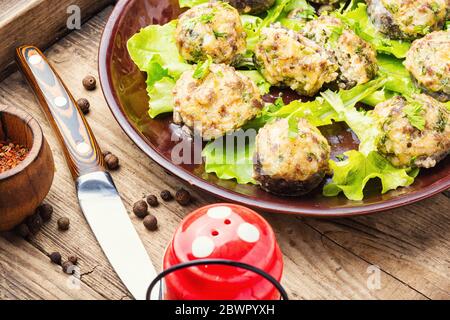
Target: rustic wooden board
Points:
(324, 259)
(28, 22)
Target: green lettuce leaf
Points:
(231, 163)
(307, 14)
(191, 3)
(156, 44)
(359, 21)
(351, 175)
(154, 51)
(399, 79)
(258, 79)
(161, 97)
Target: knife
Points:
(97, 194)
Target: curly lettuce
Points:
(351, 175)
(359, 21)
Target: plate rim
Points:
(104, 62)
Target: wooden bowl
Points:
(125, 91)
(23, 188)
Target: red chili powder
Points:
(11, 155)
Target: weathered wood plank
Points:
(27, 22)
(316, 266)
(25, 273)
(410, 243)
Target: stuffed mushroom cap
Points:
(220, 102)
(211, 29)
(428, 61)
(407, 19)
(356, 58)
(414, 133)
(251, 6)
(290, 163)
(286, 58)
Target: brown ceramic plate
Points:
(124, 88)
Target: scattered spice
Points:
(166, 195)
(68, 267)
(34, 223)
(183, 197)
(84, 105)
(89, 83)
(22, 230)
(152, 200)
(73, 259)
(63, 223)
(112, 162)
(11, 155)
(140, 209)
(45, 211)
(55, 257)
(150, 222)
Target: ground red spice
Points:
(11, 155)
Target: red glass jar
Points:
(223, 231)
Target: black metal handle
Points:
(205, 262)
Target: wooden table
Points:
(324, 259)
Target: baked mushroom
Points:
(414, 133)
(428, 61)
(220, 102)
(286, 58)
(251, 6)
(211, 29)
(290, 163)
(356, 58)
(407, 19)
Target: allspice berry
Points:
(140, 209)
(166, 195)
(45, 211)
(183, 197)
(112, 162)
(89, 83)
(73, 259)
(55, 257)
(105, 153)
(84, 105)
(34, 223)
(152, 200)
(68, 267)
(22, 230)
(150, 222)
(63, 223)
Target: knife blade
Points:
(99, 199)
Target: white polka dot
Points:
(202, 247)
(248, 232)
(60, 101)
(83, 148)
(35, 59)
(219, 212)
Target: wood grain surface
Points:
(409, 248)
(36, 22)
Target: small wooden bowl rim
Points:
(38, 138)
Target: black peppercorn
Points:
(68, 267)
(63, 223)
(45, 211)
(112, 162)
(34, 223)
(140, 209)
(166, 195)
(22, 230)
(89, 83)
(84, 105)
(183, 197)
(150, 222)
(55, 257)
(73, 259)
(152, 200)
